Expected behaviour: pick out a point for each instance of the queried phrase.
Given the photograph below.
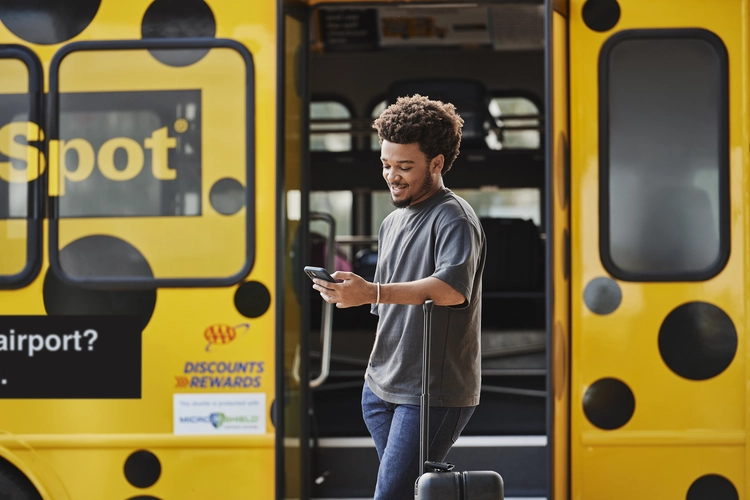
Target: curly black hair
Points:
(433, 125)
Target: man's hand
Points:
(349, 291)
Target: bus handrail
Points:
(326, 328)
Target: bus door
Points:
(21, 166)
(659, 309)
(153, 196)
(558, 247)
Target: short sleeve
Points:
(458, 247)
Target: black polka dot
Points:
(227, 196)
(697, 340)
(47, 22)
(609, 403)
(602, 295)
(99, 256)
(142, 469)
(252, 299)
(712, 487)
(144, 497)
(178, 19)
(601, 15)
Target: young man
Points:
(431, 247)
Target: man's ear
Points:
(436, 165)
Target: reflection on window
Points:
(665, 157)
(328, 140)
(518, 122)
(376, 112)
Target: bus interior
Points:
(488, 60)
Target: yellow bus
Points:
(167, 169)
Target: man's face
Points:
(410, 177)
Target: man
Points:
(431, 247)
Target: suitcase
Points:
(438, 480)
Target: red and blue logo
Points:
(223, 334)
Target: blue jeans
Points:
(395, 430)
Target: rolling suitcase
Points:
(438, 480)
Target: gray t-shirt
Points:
(439, 237)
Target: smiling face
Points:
(410, 177)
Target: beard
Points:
(423, 188)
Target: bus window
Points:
(519, 120)
(21, 165)
(524, 203)
(151, 177)
(376, 111)
(664, 161)
(321, 112)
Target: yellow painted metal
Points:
(559, 239)
(65, 466)
(681, 429)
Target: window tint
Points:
(518, 122)
(329, 140)
(664, 155)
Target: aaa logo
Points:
(221, 334)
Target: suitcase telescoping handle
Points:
(424, 408)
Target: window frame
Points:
(35, 213)
(325, 98)
(533, 99)
(53, 133)
(724, 200)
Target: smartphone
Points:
(320, 273)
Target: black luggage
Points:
(438, 481)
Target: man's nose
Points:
(392, 176)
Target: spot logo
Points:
(134, 153)
(222, 334)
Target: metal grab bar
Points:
(326, 327)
